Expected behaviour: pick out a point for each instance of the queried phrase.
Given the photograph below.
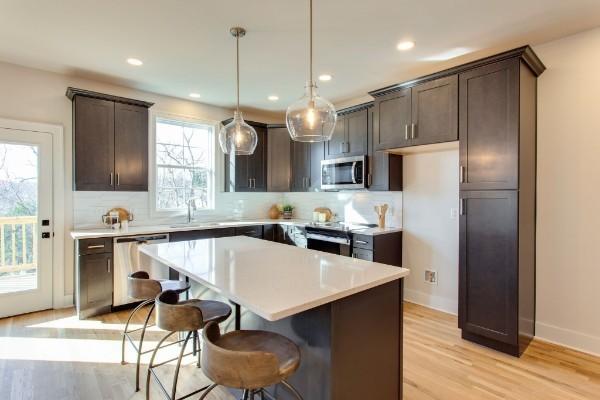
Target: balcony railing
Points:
(18, 243)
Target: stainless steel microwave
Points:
(344, 173)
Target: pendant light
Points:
(237, 137)
(311, 118)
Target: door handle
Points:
(405, 131)
(413, 128)
(111, 178)
(461, 174)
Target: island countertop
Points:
(272, 280)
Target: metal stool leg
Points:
(140, 349)
(181, 352)
(152, 362)
(292, 389)
(127, 327)
(199, 351)
(207, 391)
(245, 395)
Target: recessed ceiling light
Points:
(195, 95)
(406, 45)
(325, 77)
(134, 61)
(273, 97)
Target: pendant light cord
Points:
(311, 47)
(237, 60)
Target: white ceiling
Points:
(186, 46)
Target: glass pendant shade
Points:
(311, 118)
(237, 137)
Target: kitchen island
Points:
(345, 314)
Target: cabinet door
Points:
(236, 173)
(300, 155)
(131, 147)
(95, 282)
(257, 162)
(336, 147)
(489, 126)
(392, 113)
(362, 254)
(385, 169)
(255, 231)
(94, 135)
(357, 125)
(278, 160)
(317, 154)
(435, 111)
(488, 269)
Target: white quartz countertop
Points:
(272, 280)
(194, 226)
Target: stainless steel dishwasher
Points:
(127, 259)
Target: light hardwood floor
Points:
(52, 355)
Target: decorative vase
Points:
(274, 212)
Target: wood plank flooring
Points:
(53, 355)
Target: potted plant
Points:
(287, 211)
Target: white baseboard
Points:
(436, 302)
(65, 302)
(568, 338)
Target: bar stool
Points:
(177, 316)
(248, 360)
(141, 287)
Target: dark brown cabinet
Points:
(489, 126)
(94, 277)
(385, 248)
(255, 231)
(350, 135)
(278, 159)
(385, 169)
(426, 113)
(248, 173)
(306, 166)
(181, 236)
(110, 142)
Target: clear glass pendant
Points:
(311, 118)
(237, 137)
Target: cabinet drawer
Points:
(363, 242)
(95, 246)
(362, 254)
(255, 231)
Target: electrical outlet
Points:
(431, 277)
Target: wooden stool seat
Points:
(141, 287)
(211, 310)
(248, 360)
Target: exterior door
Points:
(26, 222)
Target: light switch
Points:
(453, 213)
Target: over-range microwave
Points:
(344, 173)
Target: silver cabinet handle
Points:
(413, 135)
(108, 265)
(369, 179)
(360, 241)
(461, 207)
(461, 174)
(118, 180)
(249, 183)
(405, 131)
(308, 181)
(96, 246)
(111, 179)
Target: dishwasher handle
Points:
(162, 238)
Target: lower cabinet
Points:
(497, 277)
(385, 248)
(255, 231)
(94, 280)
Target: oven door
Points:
(328, 244)
(343, 173)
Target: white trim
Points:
(569, 338)
(439, 303)
(58, 200)
(217, 160)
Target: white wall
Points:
(430, 231)
(568, 206)
(38, 96)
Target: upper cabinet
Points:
(248, 173)
(110, 142)
(350, 135)
(306, 166)
(278, 159)
(426, 113)
(385, 169)
(489, 127)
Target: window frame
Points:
(217, 162)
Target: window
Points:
(185, 165)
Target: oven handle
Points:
(330, 239)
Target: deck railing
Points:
(18, 243)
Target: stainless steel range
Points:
(333, 237)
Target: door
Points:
(357, 125)
(94, 136)
(435, 111)
(131, 147)
(393, 117)
(489, 127)
(336, 146)
(488, 264)
(26, 222)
